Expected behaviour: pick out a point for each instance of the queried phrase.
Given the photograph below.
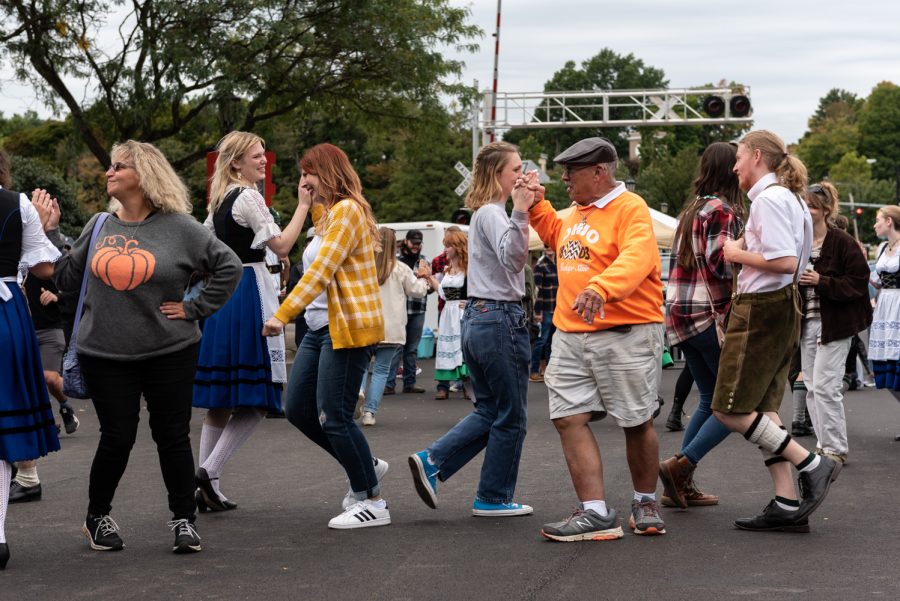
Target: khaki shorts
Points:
(762, 336)
(615, 372)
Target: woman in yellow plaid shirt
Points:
(332, 360)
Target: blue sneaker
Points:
(500, 509)
(424, 474)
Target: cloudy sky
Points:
(790, 52)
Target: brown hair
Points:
(5, 170)
(490, 160)
(823, 196)
(338, 181)
(386, 257)
(716, 178)
(790, 170)
(458, 241)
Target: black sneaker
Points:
(186, 538)
(103, 533)
(68, 416)
(774, 518)
(814, 484)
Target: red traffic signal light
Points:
(858, 211)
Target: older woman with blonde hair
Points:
(138, 337)
(322, 394)
(240, 373)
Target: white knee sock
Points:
(209, 436)
(767, 434)
(238, 430)
(28, 476)
(5, 477)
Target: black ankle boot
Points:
(673, 422)
(4, 555)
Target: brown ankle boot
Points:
(693, 496)
(675, 473)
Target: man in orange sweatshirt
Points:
(606, 353)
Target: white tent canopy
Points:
(663, 226)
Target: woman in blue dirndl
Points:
(240, 373)
(27, 425)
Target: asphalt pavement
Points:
(277, 545)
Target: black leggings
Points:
(166, 383)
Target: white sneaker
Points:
(361, 399)
(455, 387)
(381, 468)
(361, 514)
(368, 419)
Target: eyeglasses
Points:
(570, 169)
(117, 166)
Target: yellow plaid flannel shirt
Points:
(345, 266)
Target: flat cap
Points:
(589, 151)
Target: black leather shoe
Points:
(413, 389)
(774, 518)
(799, 429)
(4, 555)
(814, 484)
(24, 494)
(204, 483)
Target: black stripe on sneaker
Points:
(370, 514)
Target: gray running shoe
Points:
(645, 517)
(584, 525)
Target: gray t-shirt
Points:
(135, 267)
(498, 250)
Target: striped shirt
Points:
(345, 268)
(688, 310)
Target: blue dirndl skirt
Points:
(234, 369)
(27, 424)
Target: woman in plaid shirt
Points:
(698, 295)
(330, 364)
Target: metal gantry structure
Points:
(613, 108)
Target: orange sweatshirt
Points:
(611, 250)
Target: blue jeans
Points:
(414, 325)
(704, 431)
(495, 348)
(384, 358)
(320, 399)
(542, 344)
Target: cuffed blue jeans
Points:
(496, 349)
(704, 432)
(320, 399)
(384, 358)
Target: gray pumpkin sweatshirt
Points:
(134, 268)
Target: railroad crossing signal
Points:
(467, 178)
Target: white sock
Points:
(235, 433)
(639, 496)
(812, 464)
(209, 436)
(5, 476)
(27, 476)
(598, 506)
(379, 504)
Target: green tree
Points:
(669, 180)
(879, 128)
(823, 147)
(836, 104)
(28, 174)
(853, 175)
(228, 64)
(604, 71)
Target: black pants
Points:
(166, 383)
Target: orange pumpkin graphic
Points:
(120, 265)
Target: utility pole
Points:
(496, 74)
